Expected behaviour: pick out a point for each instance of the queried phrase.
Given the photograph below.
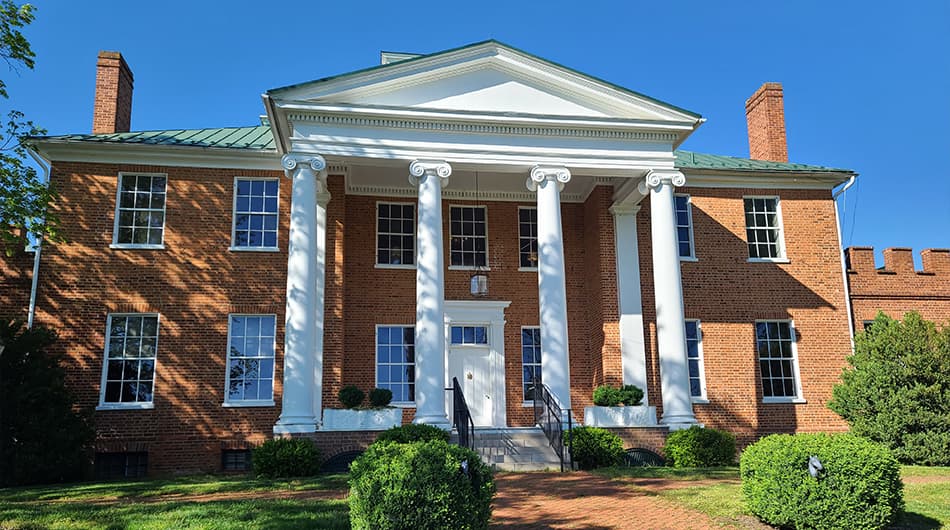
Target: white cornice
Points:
(466, 195)
(158, 155)
(763, 179)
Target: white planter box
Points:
(361, 420)
(642, 416)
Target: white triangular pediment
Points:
(487, 78)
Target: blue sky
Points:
(867, 84)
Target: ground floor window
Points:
(251, 343)
(129, 371)
(775, 343)
(530, 360)
(121, 465)
(694, 356)
(396, 361)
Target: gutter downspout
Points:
(844, 269)
(38, 249)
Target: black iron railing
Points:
(461, 417)
(552, 419)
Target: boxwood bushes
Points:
(858, 487)
(593, 447)
(700, 447)
(286, 457)
(429, 484)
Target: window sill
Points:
(768, 260)
(527, 269)
(467, 268)
(783, 400)
(124, 246)
(126, 406)
(403, 405)
(527, 404)
(692, 259)
(247, 404)
(253, 249)
(394, 266)
(700, 401)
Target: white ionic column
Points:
(632, 346)
(668, 291)
(430, 176)
(552, 292)
(303, 321)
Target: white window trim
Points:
(105, 364)
(235, 248)
(703, 397)
(115, 221)
(397, 404)
(799, 397)
(487, 255)
(522, 268)
(415, 242)
(689, 217)
(782, 255)
(228, 402)
(521, 362)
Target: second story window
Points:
(469, 232)
(395, 234)
(255, 213)
(528, 238)
(763, 228)
(684, 226)
(140, 211)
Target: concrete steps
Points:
(515, 449)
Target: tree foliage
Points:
(24, 199)
(42, 438)
(897, 390)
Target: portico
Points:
(534, 129)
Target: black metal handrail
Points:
(461, 417)
(549, 415)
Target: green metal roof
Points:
(259, 138)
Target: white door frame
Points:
(492, 313)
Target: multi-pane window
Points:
(530, 360)
(129, 371)
(236, 459)
(469, 335)
(255, 213)
(250, 375)
(775, 344)
(395, 234)
(763, 228)
(110, 466)
(395, 361)
(140, 213)
(469, 236)
(694, 358)
(528, 237)
(684, 225)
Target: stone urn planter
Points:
(640, 416)
(361, 419)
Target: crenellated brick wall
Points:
(898, 287)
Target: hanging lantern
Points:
(479, 283)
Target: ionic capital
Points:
(419, 170)
(290, 162)
(658, 177)
(541, 175)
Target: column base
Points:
(435, 420)
(295, 425)
(679, 422)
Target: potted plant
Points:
(619, 407)
(379, 416)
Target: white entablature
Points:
(484, 105)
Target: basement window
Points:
(236, 459)
(112, 466)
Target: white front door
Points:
(475, 355)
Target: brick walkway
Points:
(583, 500)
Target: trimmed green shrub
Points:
(420, 485)
(593, 447)
(699, 447)
(627, 395)
(351, 397)
(858, 487)
(897, 391)
(413, 432)
(380, 397)
(286, 457)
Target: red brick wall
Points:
(112, 108)
(16, 277)
(765, 118)
(897, 288)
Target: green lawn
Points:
(926, 493)
(158, 504)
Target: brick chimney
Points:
(765, 114)
(112, 111)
